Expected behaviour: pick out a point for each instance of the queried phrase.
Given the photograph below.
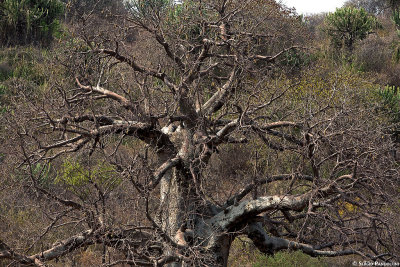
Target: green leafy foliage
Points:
(78, 178)
(23, 71)
(288, 259)
(244, 253)
(29, 21)
(391, 98)
(3, 89)
(295, 59)
(42, 172)
(348, 25)
(390, 105)
(396, 20)
(397, 53)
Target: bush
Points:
(348, 25)
(289, 259)
(23, 73)
(390, 97)
(29, 21)
(373, 54)
(78, 9)
(28, 64)
(77, 178)
(396, 20)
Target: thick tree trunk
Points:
(220, 250)
(183, 219)
(184, 212)
(171, 208)
(171, 203)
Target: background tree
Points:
(29, 21)
(394, 4)
(375, 7)
(79, 9)
(163, 150)
(348, 25)
(396, 20)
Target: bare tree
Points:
(371, 6)
(201, 80)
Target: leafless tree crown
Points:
(176, 128)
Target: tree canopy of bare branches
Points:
(163, 148)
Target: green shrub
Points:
(289, 259)
(77, 178)
(3, 90)
(29, 21)
(244, 253)
(5, 71)
(396, 20)
(391, 98)
(42, 174)
(28, 64)
(295, 60)
(390, 105)
(348, 25)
